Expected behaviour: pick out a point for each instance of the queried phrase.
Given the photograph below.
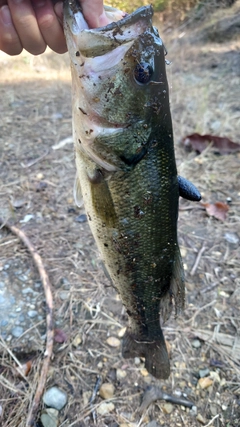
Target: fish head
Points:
(118, 74)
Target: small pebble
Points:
(200, 418)
(120, 373)
(105, 408)
(49, 418)
(144, 372)
(27, 291)
(17, 331)
(81, 218)
(32, 313)
(167, 408)
(153, 424)
(55, 398)
(215, 376)
(213, 409)
(113, 342)
(203, 372)
(64, 295)
(107, 390)
(231, 238)
(196, 344)
(3, 322)
(205, 382)
(137, 361)
(121, 332)
(77, 341)
(2, 299)
(193, 411)
(39, 176)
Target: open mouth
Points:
(98, 41)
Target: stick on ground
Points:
(153, 393)
(49, 318)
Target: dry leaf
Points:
(217, 210)
(24, 369)
(221, 145)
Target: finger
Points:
(94, 13)
(9, 40)
(26, 26)
(49, 25)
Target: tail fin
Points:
(155, 353)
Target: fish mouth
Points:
(97, 41)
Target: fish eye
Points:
(143, 72)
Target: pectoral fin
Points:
(187, 190)
(77, 192)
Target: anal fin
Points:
(176, 291)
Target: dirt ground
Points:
(35, 93)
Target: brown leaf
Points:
(24, 369)
(60, 336)
(221, 145)
(217, 210)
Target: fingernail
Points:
(6, 15)
(58, 8)
(39, 3)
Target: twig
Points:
(153, 393)
(93, 397)
(210, 287)
(14, 358)
(190, 208)
(200, 309)
(49, 318)
(203, 248)
(211, 421)
(33, 162)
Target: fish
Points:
(126, 169)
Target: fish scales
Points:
(126, 171)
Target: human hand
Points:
(35, 24)
(32, 25)
(94, 13)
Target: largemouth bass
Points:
(126, 171)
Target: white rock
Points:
(113, 342)
(105, 408)
(55, 398)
